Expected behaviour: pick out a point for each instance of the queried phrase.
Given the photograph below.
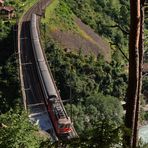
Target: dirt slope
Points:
(91, 44)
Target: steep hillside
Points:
(72, 34)
(108, 18)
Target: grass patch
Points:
(29, 4)
(59, 16)
(24, 7)
(50, 11)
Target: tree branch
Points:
(115, 44)
(121, 28)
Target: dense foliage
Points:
(17, 131)
(9, 88)
(84, 74)
(4, 29)
(94, 88)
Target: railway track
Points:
(34, 97)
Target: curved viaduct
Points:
(32, 92)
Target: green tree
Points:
(4, 29)
(9, 87)
(18, 132)
(98, 122)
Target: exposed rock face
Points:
(91, 44)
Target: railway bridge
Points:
(31, 87)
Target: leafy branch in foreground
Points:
(18, 131)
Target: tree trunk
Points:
(141, 50)
(133, 81)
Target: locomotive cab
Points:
(62, 123)
(64, 126)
